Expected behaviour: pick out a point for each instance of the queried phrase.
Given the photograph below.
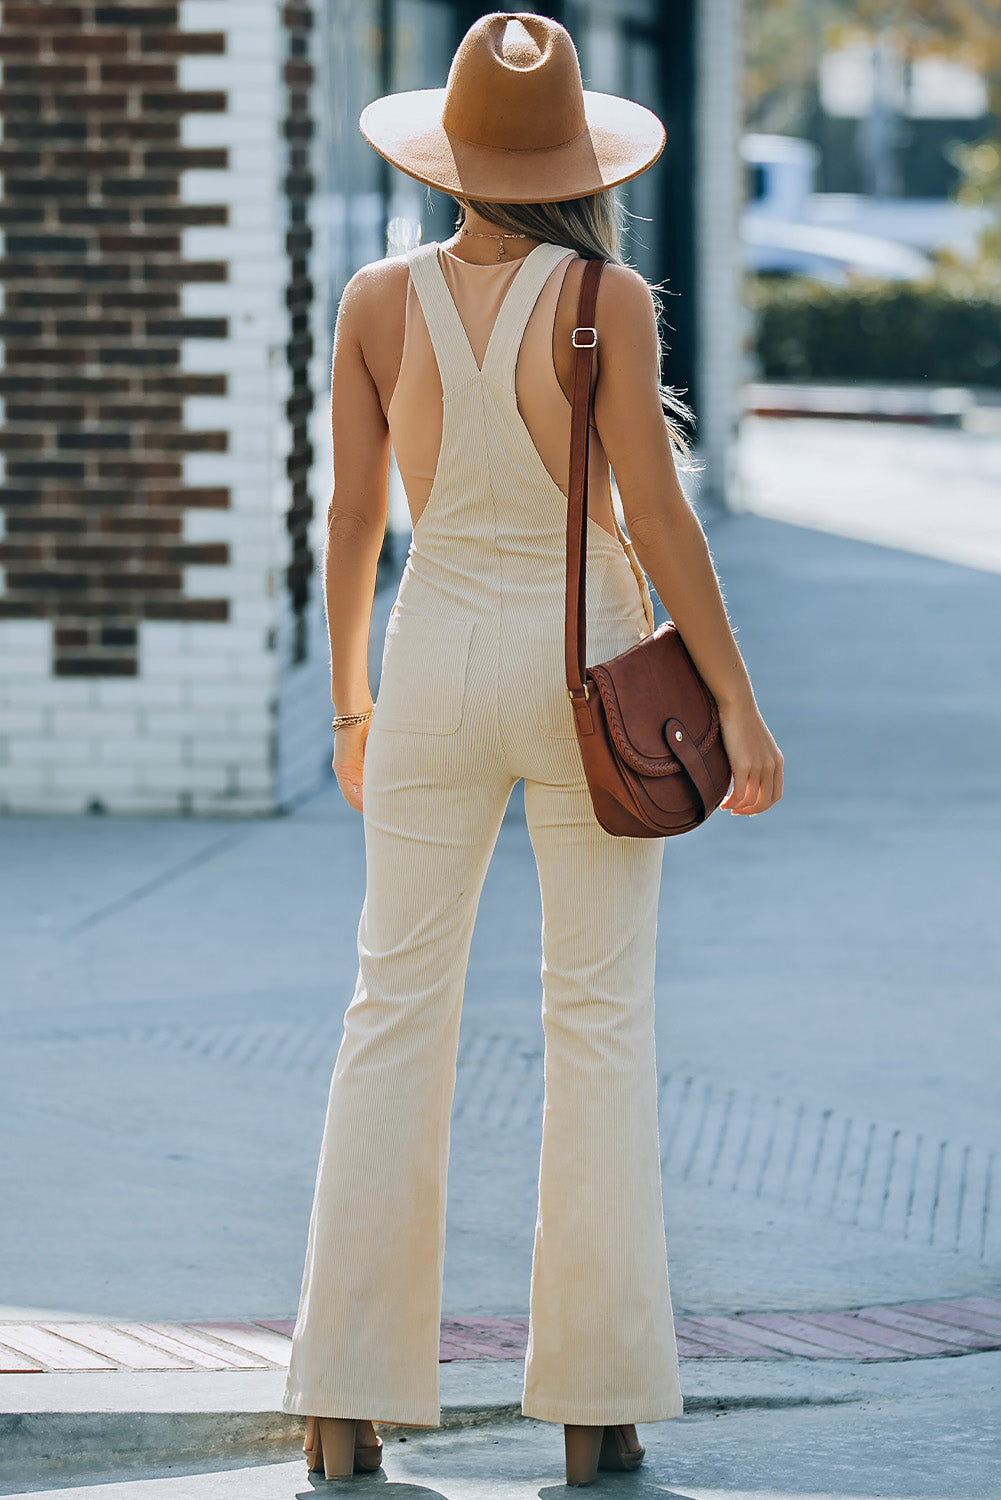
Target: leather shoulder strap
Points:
(585, 341)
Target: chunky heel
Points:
(583, 1449)
(330, 1446)
(337, 1446)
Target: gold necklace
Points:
(508, 235)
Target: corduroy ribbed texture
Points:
(472, 698)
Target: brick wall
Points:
(94, 495)
(156, 552)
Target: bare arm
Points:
(666, 533)
(356, 524)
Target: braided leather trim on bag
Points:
(667, 765)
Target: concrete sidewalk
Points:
(919, 1429)
(827, 1037)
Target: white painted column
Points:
(718, 189)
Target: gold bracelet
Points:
(342, 720)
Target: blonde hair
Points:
(593, 226)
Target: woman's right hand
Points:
(755, 759)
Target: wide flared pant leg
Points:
(366, 1340)
(602, 1344)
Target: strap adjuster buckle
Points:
(592, 342)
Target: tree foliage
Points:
(784, 41)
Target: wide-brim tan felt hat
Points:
(514, 123)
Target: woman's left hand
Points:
(756, 760)
(349, 762)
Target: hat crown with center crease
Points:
(514, 123)
(515, 84)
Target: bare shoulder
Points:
(625, 302)
(625, 318)
(625, 308)
(371, 320)
(374, 290)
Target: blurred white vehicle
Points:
(788, 228)
(826, 254)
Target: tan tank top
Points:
(415, 409)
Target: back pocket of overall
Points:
(423, 680)
(551, 704)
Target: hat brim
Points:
(622, 140)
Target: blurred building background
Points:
(873, 190)
(185, 195)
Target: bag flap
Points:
(646, 685)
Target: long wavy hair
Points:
(594, 227)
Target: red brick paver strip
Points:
(827, 1340)
(963, 1313)
(766, 1338)
(884, 1335)
(697, 1344)
(483, 1338)
(990, 1307)
(912, 1330)
(726, 1335)
(951, 1339)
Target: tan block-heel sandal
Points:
(589, 1449)
(331, 1447)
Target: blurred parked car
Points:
(786, 226)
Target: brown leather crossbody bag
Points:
(647, 725)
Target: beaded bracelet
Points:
(342, 720)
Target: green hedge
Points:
(894, 331)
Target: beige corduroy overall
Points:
(473, 697)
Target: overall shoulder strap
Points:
(501, 358)
(448, 337)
